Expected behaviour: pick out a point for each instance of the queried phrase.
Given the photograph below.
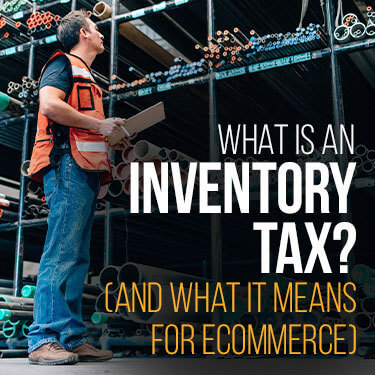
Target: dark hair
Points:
(69, 28)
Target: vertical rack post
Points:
(338, 106)
(18, 261)
(108, 246)
(216, 245)
(337, 96)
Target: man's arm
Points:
(52, 105)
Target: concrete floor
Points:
(151, 366)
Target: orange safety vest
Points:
(89, 148)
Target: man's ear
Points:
(83, 32)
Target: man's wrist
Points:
(96, 124)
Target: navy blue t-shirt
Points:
(58, 74)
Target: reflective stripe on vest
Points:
(81, 72)
(92, 146)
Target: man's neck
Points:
(87, 56)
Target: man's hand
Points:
(110, 127)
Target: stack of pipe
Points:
(42, 23)
(135, 274)
(235, 48)
(365, 160)
(35, 201)
(35, 189)
(17, 312)
(352, 29)
(230, 49)
(363, 276)
(35, 211)
(177, 72)
(13, 5)
(26, 91)
(142, 151)
(7, 26)
(10, 105)
(8, 208)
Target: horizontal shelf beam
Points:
(228, 73)
(15, 120)
(139, 13)
(355, 46)
(8, 227)
(26, 46)
(162, 88)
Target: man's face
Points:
(95, 38)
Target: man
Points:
(70, 156)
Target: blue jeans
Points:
(71, 195)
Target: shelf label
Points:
(146, 91)
(10, 51)
(164, 87)
(51, 39)
(279, 62)
(18, 15)
(179, 2)
(137, 13)
(158, 7)
(64, 1)
(303, 57)
(364, 182)
(129, 94)
(230, 73)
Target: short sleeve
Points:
(58, 74)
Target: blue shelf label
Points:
(158, 7)
(279, 62)
(146, 91)
(129, 94)
(179, 2)
(64, 1)
(51, 39)
(137, 13)
(303, 57)
(11, 51)
(164, 87)
(18, 15)
(230, 73)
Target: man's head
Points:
(76, 27)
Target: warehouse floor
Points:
(150, 366)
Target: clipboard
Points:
(140, 122)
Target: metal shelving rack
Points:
(332, 51)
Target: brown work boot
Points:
(51, 354)
(88, 353)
